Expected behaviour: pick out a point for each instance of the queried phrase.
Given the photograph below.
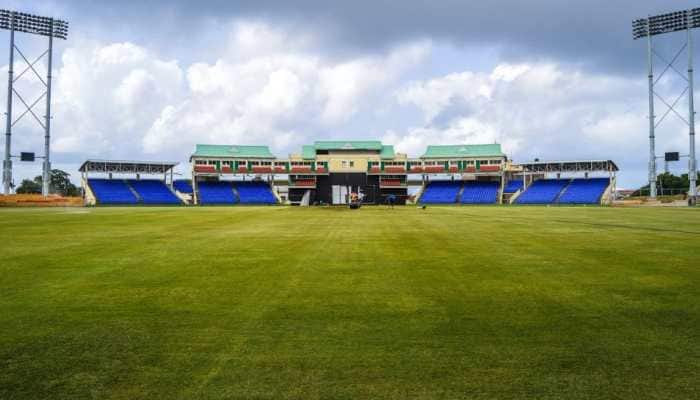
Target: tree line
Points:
(59, 183)
(668, 181)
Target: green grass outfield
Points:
(290, 303)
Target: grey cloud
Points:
(594, 33)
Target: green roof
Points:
(462, 151)
(348, 145)
(387, 152)
(308, 152)
(227, 151)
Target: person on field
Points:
(391, 200)
(354, 200)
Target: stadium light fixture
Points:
(649, 27)
(14, 21)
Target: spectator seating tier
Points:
(216, 193)
(153, 191)
(441, 192)
(543, 191)
(255, 193)
(480, 192)
(584, 191)
(112, 191)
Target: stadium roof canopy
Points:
(127, 167)
(385, 151)
(229, 151)
(462, 151)
(348, 145)
(570, 166)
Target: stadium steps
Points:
(134, 192)
(561, 192)
(186, 198)
(459, 194)
(183, 190)
(607, 196)
(90, 198)
(499, 195)
(236, 195)
(306, 199)
(514, 196)
(419, 193)
(274, 192)
(172, 190)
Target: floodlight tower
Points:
(684, 20)
(43, 26)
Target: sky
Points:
(548, 79)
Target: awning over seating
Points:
(570, 166)
(127, 167)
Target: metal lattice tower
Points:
(43, 26)
(685, 20)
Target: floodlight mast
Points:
(684, 20)
(42, 26)
(7, 163)
(652, 139)
(692, 168)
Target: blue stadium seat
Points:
(183, 186)
(112, 191)
(255, 193)
(216, 193)
(513, 186)
(441, 192)
(480, 193)
(153, 191)
(543, 191)
(584, 191)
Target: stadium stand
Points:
(584, 191)
(112, 191)
(183, 186)
(480, 193)
(153, 191)
(216, 193)
(513, 186)
(255, 193)
(441, 192)
(543, 191)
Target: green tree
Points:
(29, 186)
(668, 182)
(59, 183)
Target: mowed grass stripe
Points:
(275, 302)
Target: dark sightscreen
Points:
(672, 156)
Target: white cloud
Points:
(276, 94)
(535, 110)
(271, 86)
(107, 96)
